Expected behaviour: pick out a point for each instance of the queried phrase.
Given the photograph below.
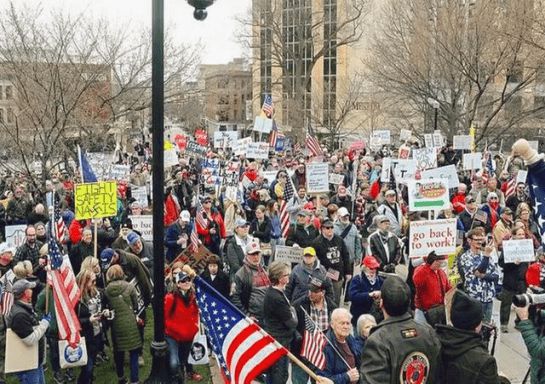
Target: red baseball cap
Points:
(370, 262)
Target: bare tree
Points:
(471, 57)
(73, 78)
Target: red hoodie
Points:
(181, 319)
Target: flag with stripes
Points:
(6, 292)
(284, 214)
(296, 147)
(313, 344)
(199, 216)
(194, 238)
(267, 107)
(511, 187)
(536, 184)
(242, 348)
(66, 294)
(273, 136)
(61, 230)
(312, 143)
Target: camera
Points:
(535, 297)
(200, 6)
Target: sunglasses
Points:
(184, 281)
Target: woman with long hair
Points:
(273, 211)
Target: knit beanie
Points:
(466, 312)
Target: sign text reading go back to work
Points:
(96, 200)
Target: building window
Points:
(10, 116)
(9, 92)
(515, 73)
(1, 92)
(1, 115)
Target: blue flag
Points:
(87, 174)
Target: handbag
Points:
(72, 356)
(198, 354)
(15, 348)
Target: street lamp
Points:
(435, 105)
(159, 350)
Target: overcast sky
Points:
(216, 33)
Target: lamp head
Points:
(200, 6)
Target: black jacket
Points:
(279, 316)
(301, 235)
(378, 249)
(24, 323)
(262, 231)
(514, 276)
(221, 283)
(333, 254)
(465, 358)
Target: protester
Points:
(350, 235)
(365, 291)
(533, 340)
(82, 249)
(236, 247)
(302, 233)
(216, 277)
(177, 236)
(391, 209)
(304, 273)
(384, 245)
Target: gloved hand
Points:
(47, 317)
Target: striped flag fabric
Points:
(284, 214)
(296, 147)
(61, 230)
(242, 348)
(312, 143)
(273, 136)
(511, 187)
(267, 107)
(536, 187)
(199, 216)
(6, 295)
(194, 238)
(66, 294)
(313, 344)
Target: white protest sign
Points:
(426, 158)
(462, 142)
(404, 169)
(429, 194)
(262, 124)
(241, 145)
(171, 158)
(100, 162)
(447, 172)
(335, 178)
(473, 161)
(288, 254)
(144, 225)
(225, 139)
(432, 235)
(140, 194)
(259, 150)
(231, 193)
(521, 176)
(428, 140)
(386, 170)
(15, 235)
(317, 175)
(437, 139)
(269, 175)
(405, 135)
(381, 137)
(120, 171)
(521, 250)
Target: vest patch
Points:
(415, 369)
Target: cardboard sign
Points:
(196, 260)
(141, 195)
(521, 176)
(15, 349)
(194, 149)
(462, 142)
(521, 250)
(225, 139)
(263, 124)
(317, 177)
(269, 175)
(231, 193)
(96, 200)
(426, 158)
(381, 137)
(335, 178)
(288, 255)
(120, 172)
(404, 169)
(473, 161)
(259, 150)
(201, 137)
(405, 135)
(170, 158)
(428, 140)
(240, 147)
(144, 225)
(428, 194)
(437, 139)
(447, 172)
(386, 170)
(481, 216)
(15, 235)
(432, 235)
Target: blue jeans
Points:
(119, 357)
(298, 376)
(487, 311)
(178, 354)
(419, 316)
(33, 376)
(86, 373)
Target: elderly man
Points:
(350, 235)
(141, 248)
(81, 250)
(384, 245)
(304, 273)
(391, 209)
(178, 235)
(341, 343)
(236, 245)
(458, 201)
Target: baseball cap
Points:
(5, 247)
(390, 192)
(302, 212)
(370, 262)
(185, 216)
(182, 277)
(343, 212)
(309, 251)
(132, 238)
(380, 219)
(106, 257)
(240, 222)
(253, 247)
(327, 223)
(433, 257)
(316, 284)
(506, 210)
(20, 286)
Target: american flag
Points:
(267, 107)
(273, 135)
(6, 298)
(536, 183)
(61, 231)
(312, 143)
(65, 294)
(284, 214)
(511, 187)
(242, 348)
(194, 237)
(296, 147)
(199, 216)
(313, 345)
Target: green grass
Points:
(105, 372)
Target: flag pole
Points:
(95, 235)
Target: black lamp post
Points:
(160, 370)
(435, 105)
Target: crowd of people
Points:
(386, 316)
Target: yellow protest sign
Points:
(96, 200)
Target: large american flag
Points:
(313, 345)
(61, 230)
(242, 348)
(284, 214)
(65, 294)
(273, 135)
(267, 107)
(536, 182)
(312, 143)
(6, 287)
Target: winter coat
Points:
(359, 290)
(83, 310)
(393, 214)
(385, 253)
(302, 235)
(173, 233)
(250, 285)
(261, 231)
(345, 202)
(279, 318)
(177, 308)
(335, 368)
(120, 296)
(352, 240)
(430, 286)
(220, 283)
(333, 254)
(172, 210)
(467, 221)
(300, 278)
(465, 358)
(514, 276)
(53, 330)
(536, 348)
(235, 254)
(79, 252)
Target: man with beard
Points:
(520, 196)
(30, 250)
(502, 229)
(391, 209)
(384, 245)
(341, 199)
(81, 250)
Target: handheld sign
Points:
(96, 200)
(317, 177)
(288, 254)
(518, 250)
(429, 194)
(432, 235)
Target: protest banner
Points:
(386, 170)
(447, 172)
(170, 156)
(96, 200)
(210, 172)
(428, 140)
(335, 178)
(462, 142)
(119, 172)
(140, 194)
(15, 235)
(405, 135)
(437, 139)
(280, 143)
(259, 150)
(404, 169)
(194, 149)
(240, 147)
(181, 141)
(518, 250)
(263, 124)
(270, 176)
(231, 193)
(426, 158)
(225, 139)
(288, 255)
(473, 161)
(432, 235)
(381, 137)
(428, 194)
(201, 137)
(522, 174)
(144, 225)
(196, 260)
(317, 176)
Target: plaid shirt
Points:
(319, 316)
